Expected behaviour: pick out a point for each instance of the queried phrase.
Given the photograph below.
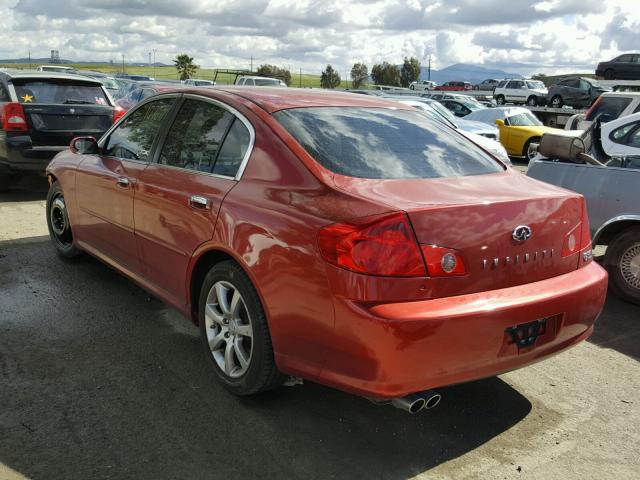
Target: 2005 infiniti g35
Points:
(335, 237)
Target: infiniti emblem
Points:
(521, 233)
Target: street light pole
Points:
(154, 63)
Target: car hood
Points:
(474, 126)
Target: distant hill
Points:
(465, 72)
(47, 61)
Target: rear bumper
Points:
(390, 350)
(19, 155)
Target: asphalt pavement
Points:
(99, 380)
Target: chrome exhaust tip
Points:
(431, 398)
(410, 403)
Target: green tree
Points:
(272, 71)
(329, 78)
(185, 66)
(386, 74)
(410, 71)
(359, 75)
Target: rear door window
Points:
(384, 143)
(196, 135)
(133, 138)
(53, 91)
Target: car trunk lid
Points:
(477, 216)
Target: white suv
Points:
(259, 82)
(612, 105)
(530, 92)
(423, 85)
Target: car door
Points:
(106, 184)
(511, 91)
(180, 193)
(635, 67)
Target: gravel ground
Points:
(100, 380)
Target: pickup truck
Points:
(610, 185)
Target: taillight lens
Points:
(383, 246)
(442, 261)
(118, 112)
(578, 238)
(587, 116)
(13, 118)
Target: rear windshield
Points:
(612, 106)
(384, 143)
(262, 82)
(59, 92)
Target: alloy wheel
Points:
(229, 329)
(630, 266)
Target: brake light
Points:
(442, 261)
(578, 238)
(587, 116)
(381, 245)
(13, 118)
(118, 112)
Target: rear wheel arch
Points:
(614, 227)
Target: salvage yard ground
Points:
(100, 380)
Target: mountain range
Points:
(464, 72)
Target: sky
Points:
(519, 36)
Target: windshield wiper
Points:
(82, 102)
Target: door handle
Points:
(123, 181)
(198, 201)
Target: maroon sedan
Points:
(340, 238)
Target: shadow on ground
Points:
(619, 327)
(99, 380)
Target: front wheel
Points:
(234, 331)
(58, 223)
(531, 101)
(622, 261)
(500, 100)
(608, 74)
(556, 101)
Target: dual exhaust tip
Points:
(414, 402)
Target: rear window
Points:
(611, 106)
(384, 143)
(264, 82)
(59, 92)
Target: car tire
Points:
(608, 74)
(532, 101)
(622, 261)
(556, 102)
(500, 100)
(412, 87)
(526, 151)
(236, 340)
(58, 223)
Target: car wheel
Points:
(622, 261)
(234, 331)
(500, 99)
(608, 74)
(531, 101)
(556, 101)
(528, 151)
(412, 87)
(58, 223)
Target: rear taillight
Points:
(578, 239)
(13, 118)
(383, 246)
(587, 116)
(442, 261)
(118, 112)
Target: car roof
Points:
(273, 99)
(53, 75)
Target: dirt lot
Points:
(99, 380)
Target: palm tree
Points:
(185, 66)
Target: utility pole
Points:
(300, 86)
(149, 58)
(29, 59)
(123, 63)
(429, 70)
(154, 63)
(251, 64)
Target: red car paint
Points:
(455, 86)
(372, 335)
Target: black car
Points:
(41, 112)
(577, 92)
(625, 66)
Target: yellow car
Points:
(519, 128)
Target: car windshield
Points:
(535, 85)
(58, 92)
(384, 143)
(524, 119)
(443, 111)
(110, 83)
(592, 82)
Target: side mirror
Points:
(84, 145)
(499, 122)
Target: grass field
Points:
(170, 73)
